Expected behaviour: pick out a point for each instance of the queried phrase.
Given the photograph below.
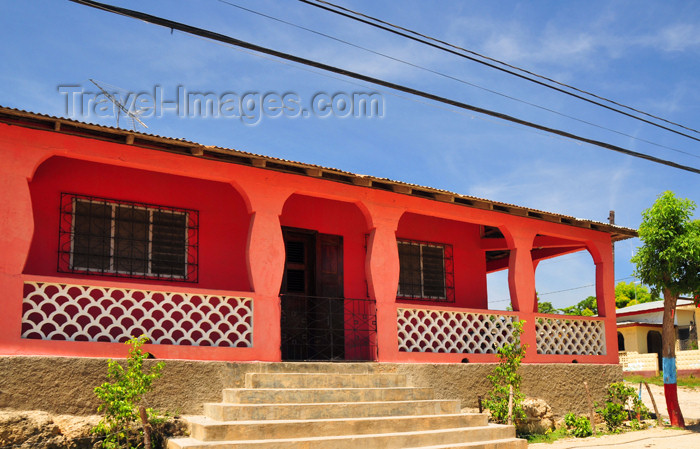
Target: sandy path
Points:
(688, 398)
(656, 438)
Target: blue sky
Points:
(641, 53)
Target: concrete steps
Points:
(483, 436)
(306, 395)
(316, 380)
(319, 410)
(348, 406)
(207, 429)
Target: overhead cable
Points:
(377, 23)
(237, 42)
(454, 78)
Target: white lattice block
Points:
(422, 330)
(633, 361)
(89, 313)
(570, 336)
(688, 359)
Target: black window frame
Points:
(417, 289)
(118, 238)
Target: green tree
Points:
(669, 261)
(546, 307)
(121, 398)
(506, 375)
(629, 294)
(587, 307)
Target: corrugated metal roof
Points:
(154, 141)
(650, 306)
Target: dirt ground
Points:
(656, 438)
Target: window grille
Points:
(128, 239)
(427, 271)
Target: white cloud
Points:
(569, 44)
(676, 38)
(557, 187)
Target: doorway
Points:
(654, 346)
(313, 311)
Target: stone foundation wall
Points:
(560, 385)
(63, 385)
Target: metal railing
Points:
(329, 329)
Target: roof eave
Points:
(181, 146)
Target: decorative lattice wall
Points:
(570, 336)
(90, 313)
(634, 361)
(422, 330)
(688, 359)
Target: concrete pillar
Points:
(521, 282)
(16, 231)
(382, 268)
(265, 256)
(602, 253)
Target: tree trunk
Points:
(668, 338)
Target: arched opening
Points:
(620, 341)
(497, 263)
(565, 277)
(142, 226)
(654, 345)
(441, 262)
(326, 310)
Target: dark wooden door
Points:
(312, 291)
(654, 345)
(300, 262)
(329, 308)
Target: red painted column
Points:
(521, 281)
(601, 251)
(16, 229)
(382, 267)
(265, 255)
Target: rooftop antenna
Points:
(120, 108)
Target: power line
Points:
(422, 39)
(454, 78)
(233, 41)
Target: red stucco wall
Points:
(223, 223)
(242, 209)
(469, 260)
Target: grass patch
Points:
(558, 434)
(686, 381)
(549, 437)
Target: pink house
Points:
(219, 254)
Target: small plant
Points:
(614, 411)
(121, 398)
(613, 414)
(636, 425)
(506, 375)
(578, 426)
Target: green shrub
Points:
(578, 426)
(613, 414)
(122, 396)
(614, 411)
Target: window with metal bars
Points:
(119, 238)
(426, 271)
